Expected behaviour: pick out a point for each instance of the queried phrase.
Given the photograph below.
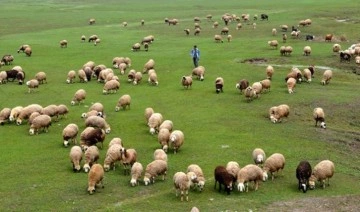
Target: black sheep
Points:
(303, 173)
(264, 17)
(224, 178)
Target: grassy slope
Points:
(218, 128)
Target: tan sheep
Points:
(199, 72)
(51, 110)
(79, 97)
(27, 111)
(277, 113)
(319, 116)
(32, 85)
(307, 50)
(154, 122)
(327, 75)
(258, 156)
(153, 79)
(273, 44)
(15, 113)
(76, 155)
(200, 182)
(4, 115)
(148, 112)
(167, 124)
(150, 64)
(91, 136)
(186, 81)
(98, 122)
(41, 77)
(137, 78)
(274, 31)
(71, 76)
(136, 172)
(322, 171)
(32, 117)
(115, 140)
(163, 138)
(218, 39)
(111, 86)
(257, 87)
(62, 110)
(182, 183)
(91, 157)
(249, 173)
(176, 140)
(274, 163)
(336, 48)
(160, 154)
(291, 83)
(266, 84)
(63, 43)
(113, 155)
(41, 122)
(92, 21)
(250, 93)
(95, 178)
(154, 169)
(269, 71)
(123, 102)
(3, 77)
(70, 133)
(233, 167)
(28, 51)
(307, 75)
(128, 158)
(136, 47)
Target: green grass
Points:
(36, 172)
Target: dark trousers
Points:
(196, 61)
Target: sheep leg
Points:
(187, 195)
(182, 195)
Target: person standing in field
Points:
(195, 54)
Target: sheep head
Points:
(241, 187)
(312, 181)
(66, 143)
(133, 182)
(265, 176)
(87, 168)
(91, 189)
(259, 158)
(147, 180)
(32, 131)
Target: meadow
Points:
(36, 171)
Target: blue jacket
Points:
(195, 53)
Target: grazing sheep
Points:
(128, 158)
(136, 47)
(7, 59)
(307, 50)
(265, 84)
(112, 156)
(224, 31)
(312, 70)
(91, 157)
(258, 156)
(163, 138)
(294, 73)
(173, 22)
(82, 75)
(22, 48)
(27, 111)
(218, 39)
(3, 77)
(319, 116)
(150, 64)
(123, 102)
(273, 44)
(32, 117)
(274, 163)
(97, 41)
(41, 77)
(148, 112)
(215, 24)
(41, 122)
(111, 86)
(345, 56)
(242, 85)
(99, 122)
(223, 178)
(115, 140)
(168, 124)
(303, 174)
(250, 93)
(328, 37)
(186, 81)
(219, 84)
(322, 171)
(148, 39)
(247, 174)
(276, 113)
(4, 115)
(51, 110)
(28, 51)
(153, 169)
(15, 113)
(229, 38)
(160, 154)
(200, 182)
(257, 87)
(274, 31)
(92, 21)
(197, 31)
(131, 75)
(91, 136)
(291, 83)
(92, 38)
(62, 110)
(124, 24)
(137, 78)
(176, 140)
(284, 27)
(199, 72)
(152, 80)
(95, 178)
(238, 26)
(83, 38)
(76, 155)
(233, 167)
(70, 133)
(269, 71)
(79, 97)
(187, 31)
(295, 34)
(336, 48)
(154, 122)
(122, 68)
(63, 43)
(307, 75)
(182, 183)
(327, 75)
(136, 172)
(32, 85)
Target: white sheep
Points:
(123, 102)
(154, 169)
(258, 156)
(307, 50)
(91, 157)
(200, 182)
(182, 183)
(70, 133)
(167, 124)
(233, 167)
(32, 85)
(186, 81)
(247, 174)
(82, 75)
(79, 97)
(99, 122)
(291, 84)
(71, 76)
(150, 64)
(336, 48)
(250, 93)
(176, 140)
(127, 157)
(242, 85)
(307, 75)
(111, 86)
(3, 77)
(265, 84)
(122, 68)
(115, 140)
(322, 171)
(148, 112)
(274, 31)
(163, 138)
(41, 77)
(95, 178)
(273, 44)
(76, 155)
(27, 111)
(40, 122)
(160, 154)
(199, 72)
(112, 156)
(277, 113)
(257, 87)
(154, 122)
(136, 172)
(319, 116)
(137, 78)
(4, 115)
(327, 75)
(153, 80)
(269, 71)
(274, 163)
(136, 47)
(63, 43)
(15, 113)
(218, 39)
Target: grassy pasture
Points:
(36, 173)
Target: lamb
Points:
(307, 75)
(163, 138)
(15, 113)
(176, 140)
(91, 157)
(112, 156)
(40, 122)
(291, 83)
(160, 154)
(307, 50)
(115, 140)
(153, 79)
(274, 163)
(153, 169)
(75, 158)
(327, 75)
(137, 78)
(219, 84)
(276, 113)
(223, 178)
(167, 124)
(71, 77)
(136, 172)
(200, 182)
(250, 93)
(95, 178)
(186, 81)
(91, 136)
(27, 111)
(242, 85)
(148, 112)
(127, 157)
(199, 72)
(182, 183)
(150, 64)
(4, 115)
(32, 85)
(265, 84)
(328, 37)
(322, 171)
(154, 122)
(218, 39)
(258, 156)
(247, 174)
(319, 116)
(99, 122)
(63, 44)
(233, 167)
(70, 133)
(79, 97)
(111, 86)
(303, 173)
(273, 43)
(336, 48)
(28, 51)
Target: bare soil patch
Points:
(255, 60)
